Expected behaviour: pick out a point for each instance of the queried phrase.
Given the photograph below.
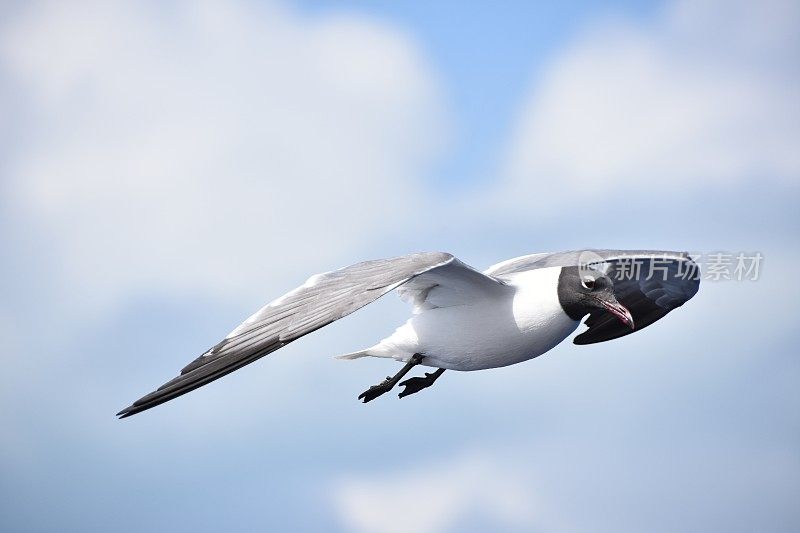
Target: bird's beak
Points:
(619, 311)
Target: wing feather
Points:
(323, 299)
(649, 284)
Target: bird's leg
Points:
(387, 384)
(417, 384)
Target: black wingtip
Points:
(135, 408)
(125, 413)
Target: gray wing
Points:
(323, 299)
(649, 283)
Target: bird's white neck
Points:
(536, 305)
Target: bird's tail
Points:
(354, 355)
(386, 349)
(379, 350)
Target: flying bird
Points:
(462, 319)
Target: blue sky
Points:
(488, 57)
(166, 169)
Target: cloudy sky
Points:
(168, 167)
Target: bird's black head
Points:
(582, 290)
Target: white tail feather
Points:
(353, 355)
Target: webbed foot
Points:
(376, 390)
(414, 385)
(387, 384)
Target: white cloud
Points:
(187, 145)
(436, 496)
(705, 94)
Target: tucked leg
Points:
(417, 384)
(387, 384)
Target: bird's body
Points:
(497, 330)
(462, 319)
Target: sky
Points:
(166, 168)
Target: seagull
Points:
(462, 319)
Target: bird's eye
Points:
(588, 283)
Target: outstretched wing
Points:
(323, 299)
(649, 283)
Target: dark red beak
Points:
(619, 311)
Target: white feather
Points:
(462, 333)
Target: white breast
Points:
(491, 332)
